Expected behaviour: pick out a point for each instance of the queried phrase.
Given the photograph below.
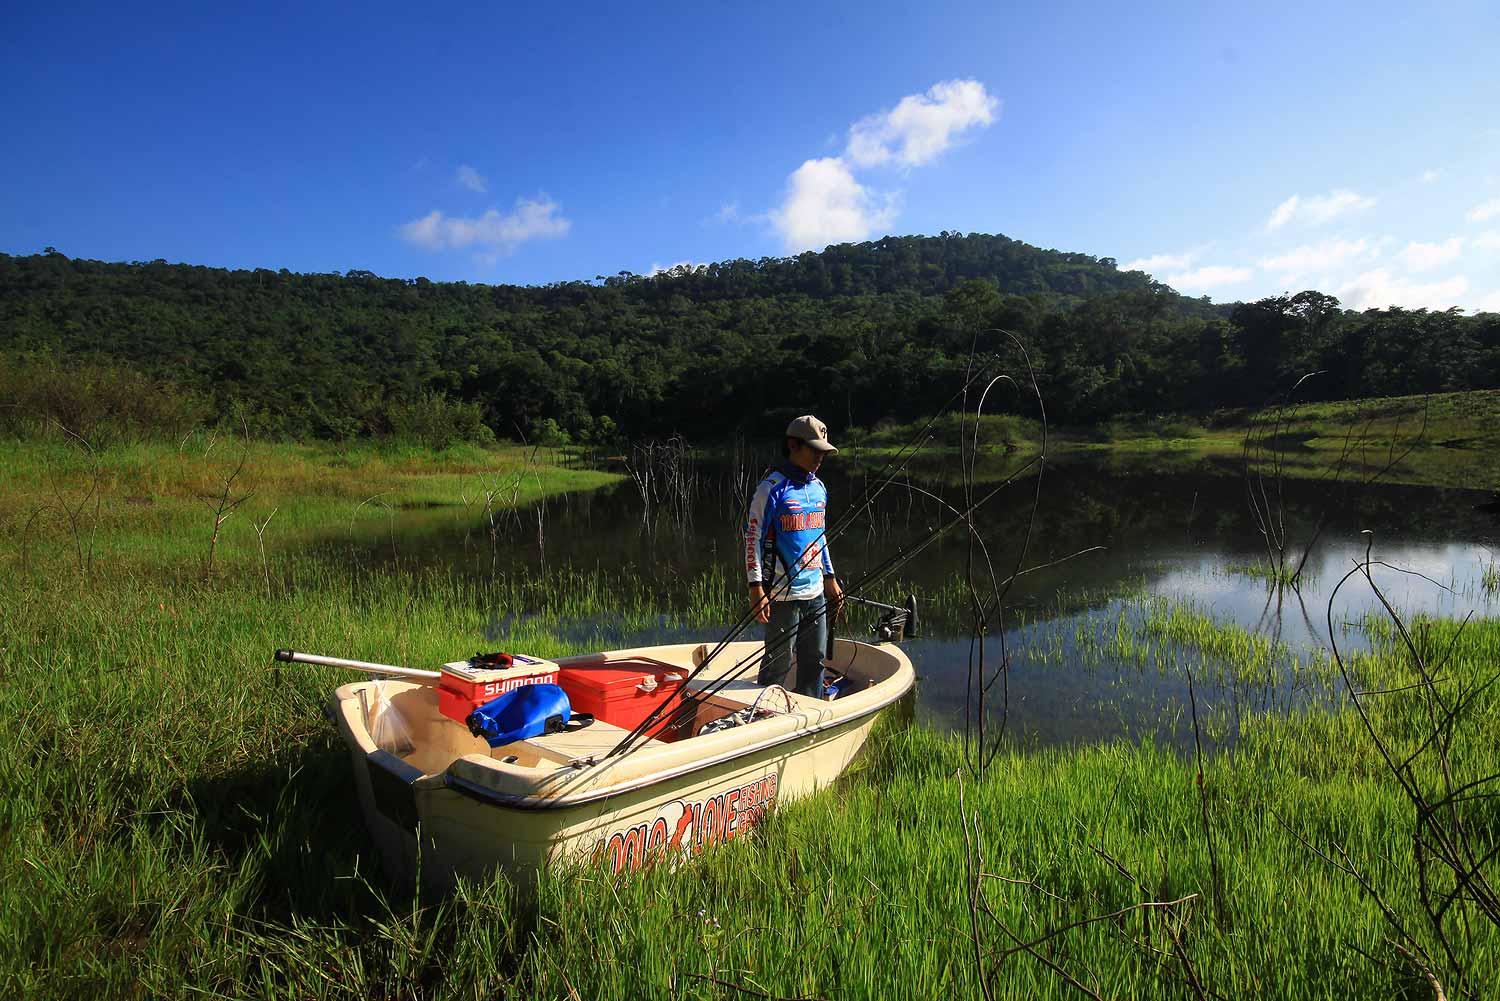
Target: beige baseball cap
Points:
(813, 431)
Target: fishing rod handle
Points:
(293, 657)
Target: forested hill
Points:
(858, 333)
(920, 265)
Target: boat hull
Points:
(432, 827)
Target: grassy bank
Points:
(153, 506)
(178, 819)
(1453, 437)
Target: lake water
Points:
(1164, 534)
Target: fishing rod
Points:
(892, 564)
(900, 559)
(905, 454)
(682, 710)
(679, 712)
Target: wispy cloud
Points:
(1427, 256)
(470, 178)
(1379, 289)
(1157, 263)
(1430, 176)
(729, 212)
(1298, 262)
(921, 126)
(1488, 303)
(1488, 241)
(1205, 278)
(1484, 211)
(825, 203)
(1318, 209)
(494, 232)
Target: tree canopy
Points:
(859, 333)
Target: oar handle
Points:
(294, 657)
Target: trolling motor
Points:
(896, 622)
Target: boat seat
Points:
(597, 739)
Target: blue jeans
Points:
(799, 626)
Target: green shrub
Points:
(103, 402)
(435, 421)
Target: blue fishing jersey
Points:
(785, 544)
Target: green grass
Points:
(151, 507)
(1455, 447)
(177, 817)
(1169, 636)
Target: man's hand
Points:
(833, 594)
(758, 603)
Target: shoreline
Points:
(178, 814)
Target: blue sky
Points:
(1350, 147)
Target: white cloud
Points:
(1484, 211)
(471, 179)
(1488, 304)
(921, 126)
(1282, 214)
(824, 204)
(1299, 261)
(1379, 289)
(1488, 241)
(1206, 278)
(1430, 176)
(1157, 263)
(728, 212)
(1317, 209)
(1426, 256)
(494, 231)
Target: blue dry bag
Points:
(528, 711)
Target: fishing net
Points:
(750, 713)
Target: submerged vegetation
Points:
(179, 821)
(1273, 576)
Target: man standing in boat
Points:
(787, 563)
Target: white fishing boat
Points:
(712, 751)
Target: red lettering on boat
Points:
(718, 817)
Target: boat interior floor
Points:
(601, 737)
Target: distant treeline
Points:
(860, 333)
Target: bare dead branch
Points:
(1432, 980)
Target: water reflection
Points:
(1184, 536)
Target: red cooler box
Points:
(620, 692)
(467, 686)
